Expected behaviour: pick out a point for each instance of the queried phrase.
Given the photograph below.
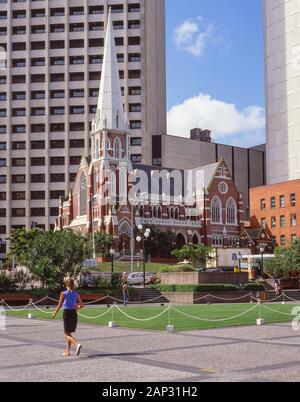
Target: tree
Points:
(197, 255)
(286, 261)
(103, 243)
(19, 242)
(53, 256)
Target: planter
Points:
(289, 284)
(16, 298)
(198, 278)
(212, 298)
(103, 259)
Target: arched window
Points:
(113, 186)
(83, 195)
(231, 212)
(172, 213)
(141, 211)
(177, 214)
(117, 119)
(159, 213)
(117, 149)
(122, 184)
(216, 209)
(154, 212)
(97, 150)
(217, 240)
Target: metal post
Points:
(93, 231)
(144, 262)
(132, 238)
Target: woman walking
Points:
(70, 301)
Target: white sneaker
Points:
(78, 349)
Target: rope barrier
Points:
(290, 298)
(23, 308)
(267, 301)
(39, 309)
(142, 319)
(237, 298)
(278, 312)
(217, 320)
(97, 316)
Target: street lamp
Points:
(112, 252)
(262, 251)
(144, 236)
(240, 257)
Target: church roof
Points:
(110, 112)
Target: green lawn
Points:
(180, 322)
(126, 267)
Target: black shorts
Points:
(70, 321)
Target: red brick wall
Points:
(277, 190)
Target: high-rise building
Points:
(282, 32)
(49, 91)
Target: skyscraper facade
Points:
(282, 53)
(51, 61)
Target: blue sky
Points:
(215, 68)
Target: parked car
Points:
(214, 270)
(137, 278)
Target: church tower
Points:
(110, 141)
(109, 135)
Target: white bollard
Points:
(2, 319)
(260, 322)
(31, 316)
(170, 329)
(112, 324)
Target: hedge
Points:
(248, 287)
(177, 268)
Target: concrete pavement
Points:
(30, 350)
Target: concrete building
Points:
(246, 166)
(282, 53)
(49, 93)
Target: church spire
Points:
(110, 114)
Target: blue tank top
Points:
(71, 299)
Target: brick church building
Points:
(115, 196)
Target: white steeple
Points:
(110, 114)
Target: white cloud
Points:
(193, 36)
(244, 127)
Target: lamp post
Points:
(112, 254)
(240, 257)
(262, 251)
(93, 226)
(144, 236)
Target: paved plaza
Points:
(30, 350)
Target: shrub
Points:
(196, 288)
(253, 287)
(7, 282)
(116, 281)
(177, 268)
(101, 283)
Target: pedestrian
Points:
(70, 301)
(125, 290)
